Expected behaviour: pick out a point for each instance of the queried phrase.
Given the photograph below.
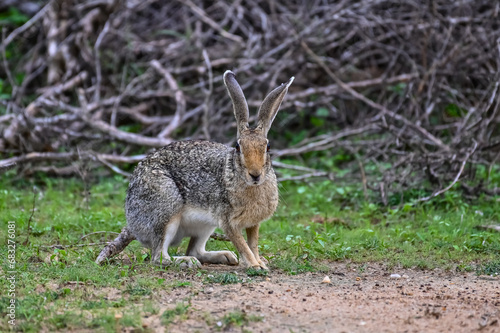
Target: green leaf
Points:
(317, 122)
(301, 189)
(322, 112)
(453, 111)
(13, 17)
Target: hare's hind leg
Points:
(153, 209)
(197, 245)
(171, 237)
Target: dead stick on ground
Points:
(98, 232)
(489, 227)
(59, 246)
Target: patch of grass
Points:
(180, 311)
(257, 272)
(103, 304)
(150, 308)
(224, 278)
(180, 284)
(138, 291)
(293, 265)
(105, 322)
(238, 318)
(489, 268)
(334, 226)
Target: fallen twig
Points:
(98, 232)
(489, 227)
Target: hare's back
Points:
(183, 156)
(196, 168)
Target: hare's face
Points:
(252, 148)
(252, 157)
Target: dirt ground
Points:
(368, 301)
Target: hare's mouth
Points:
(254, 179)
(255, 182)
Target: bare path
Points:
(354, 301)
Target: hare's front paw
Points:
(262, 265)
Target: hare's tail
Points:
(116, 246)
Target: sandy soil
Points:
(371, 301)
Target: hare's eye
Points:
(237, 147)
(268, 146)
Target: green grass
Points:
(489, 268)
(63, 289)
(224, 278)
(238, 318)
(180, 311)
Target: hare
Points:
(188, 188)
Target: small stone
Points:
(405, 276)
(209, 290)
(395, 276)
(326, 279)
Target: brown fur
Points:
(253, 146)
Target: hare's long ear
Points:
(240, 105)
(271, 105)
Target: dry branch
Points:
(413, 87)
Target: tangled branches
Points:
(407, 90)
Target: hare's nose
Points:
(255, 178)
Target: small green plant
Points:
(180, 284)
(302, 249)
(138, 291)
(489, 268)
(257, 272)
(224, 278)
(181, 309)
(238, 318)
(150, 308)
(13, 17)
